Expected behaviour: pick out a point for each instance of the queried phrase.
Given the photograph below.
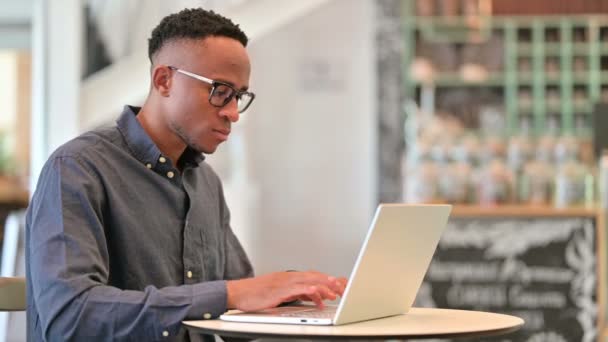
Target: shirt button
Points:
(189, 274)
(170, 174)
(207, 316)
(149, 166)
(162, 159)
(165, 333)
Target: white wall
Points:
(311, 139)
(15, 20)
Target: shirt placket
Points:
(166, 169)
(194, 271)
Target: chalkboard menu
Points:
(540, 269)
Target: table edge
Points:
(483, 333)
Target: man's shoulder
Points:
(89, 143)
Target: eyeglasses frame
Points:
(236, 93)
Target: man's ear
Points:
(161, 80)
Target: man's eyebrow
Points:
(243, 88)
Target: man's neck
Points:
(170, 145)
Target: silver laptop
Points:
(388, 272)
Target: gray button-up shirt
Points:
(120, 245)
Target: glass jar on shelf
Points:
(495, 184)
(466, 149)
(519, 152)
(455, 183)
(536, 183)
(545, 147)
(566, 149)
(492, 148)
(574, 179)
(421, 183)
(440, 153)
(573, 185)
(584, 136)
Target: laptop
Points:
(389, 270)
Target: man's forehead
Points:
(192, 50)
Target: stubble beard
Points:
(186, 139)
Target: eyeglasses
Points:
(222, 93)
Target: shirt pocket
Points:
(213, 254)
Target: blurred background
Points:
(496, 106)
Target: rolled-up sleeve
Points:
(69, 268)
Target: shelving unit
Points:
(544, 55)
(552, 70)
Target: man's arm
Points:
(69, 267)
(270, 290)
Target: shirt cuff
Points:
(209, 300)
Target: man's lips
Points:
(222, 134)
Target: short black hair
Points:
(194, 23)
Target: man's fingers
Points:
(342, 282)
(337, 285)
(310, 294)
(315, 296)
(326, 292)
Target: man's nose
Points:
(231, 110)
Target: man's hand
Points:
(270, 290)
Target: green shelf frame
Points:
(525, 37)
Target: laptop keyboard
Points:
(328, 312)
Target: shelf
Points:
(573, 48)
(528, 79)
(551, 49)
(554, 79)
(12, 195)
(576, 108)
(453, 79)
(526, 21)
(586, 109)
(463, 211)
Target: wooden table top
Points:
(418, 323)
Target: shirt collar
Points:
(142, 146)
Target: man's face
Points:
(188, 112)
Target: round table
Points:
(417, 323)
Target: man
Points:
(128, 232)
